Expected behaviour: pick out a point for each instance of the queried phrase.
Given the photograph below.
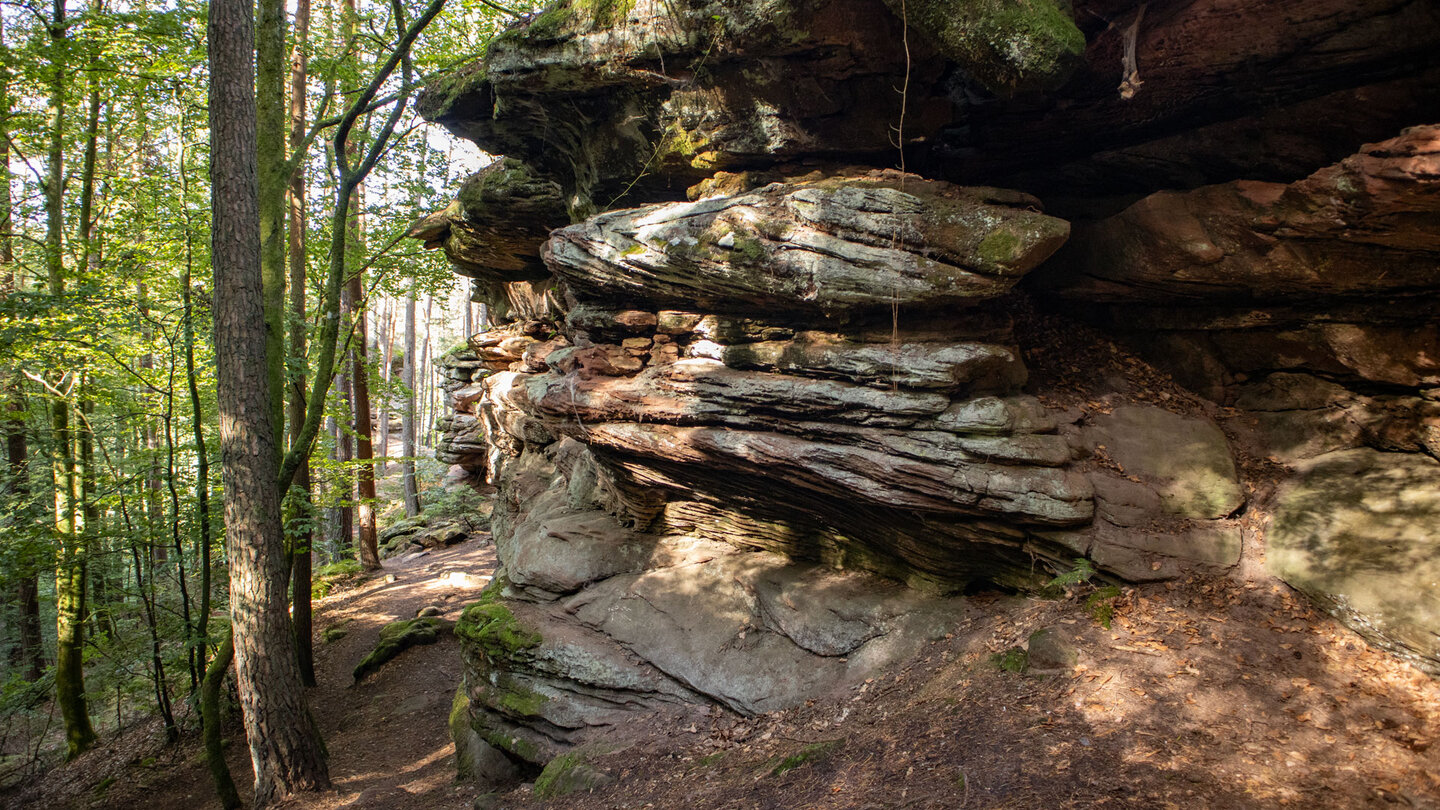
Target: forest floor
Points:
(1213, 693)
(1228, 692)
(388, 736)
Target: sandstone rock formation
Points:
(737, 388)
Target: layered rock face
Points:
(739, 389)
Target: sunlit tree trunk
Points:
(273, 178)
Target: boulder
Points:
(1169, 465)
(398, 637)
(1356, 531)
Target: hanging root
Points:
(1130, 84)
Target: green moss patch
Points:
(491, 626)
(814, 752)
(326, 577)
(1010, 46)
(566, 774)
(1014, 660)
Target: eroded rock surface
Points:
(1356, 531)
(739, 388)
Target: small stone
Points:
(1048, 650)
(429, 610)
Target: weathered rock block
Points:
(827, 247)
(1356, 531)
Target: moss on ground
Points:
(813, 752)
(326, 577)
(1014, 660)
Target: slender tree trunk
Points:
(384, 342)
(301, 539)
(29, 655)
(427, 374)
(407, 416)
(285, 746)
(273, 178)
(210, 719)
(345, 480)
(204, 538)
(70, 596)
(365, 470)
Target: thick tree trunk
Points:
(407, 416)
(285, 747)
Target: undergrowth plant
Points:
(1099, 602)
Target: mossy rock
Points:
(475, 759)
(397, 637)
(336, 631)
(568, 773)
(1011, 47)
(491, 626)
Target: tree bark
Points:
(273, 179)
(384, 346)
(210, 718)
(301, 540)
(407, 416)
(364, 455)
(285, 746)
(70, 596)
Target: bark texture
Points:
(285, 747)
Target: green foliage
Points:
(1080, 573)
(324, 578)
(1101, 605)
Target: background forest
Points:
(112, 560)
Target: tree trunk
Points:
(407, 416)
(365, 470)
(70, 567)
(384, 346)
(210, 718)
(273, 178)
(301, 539)
(285, 747)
